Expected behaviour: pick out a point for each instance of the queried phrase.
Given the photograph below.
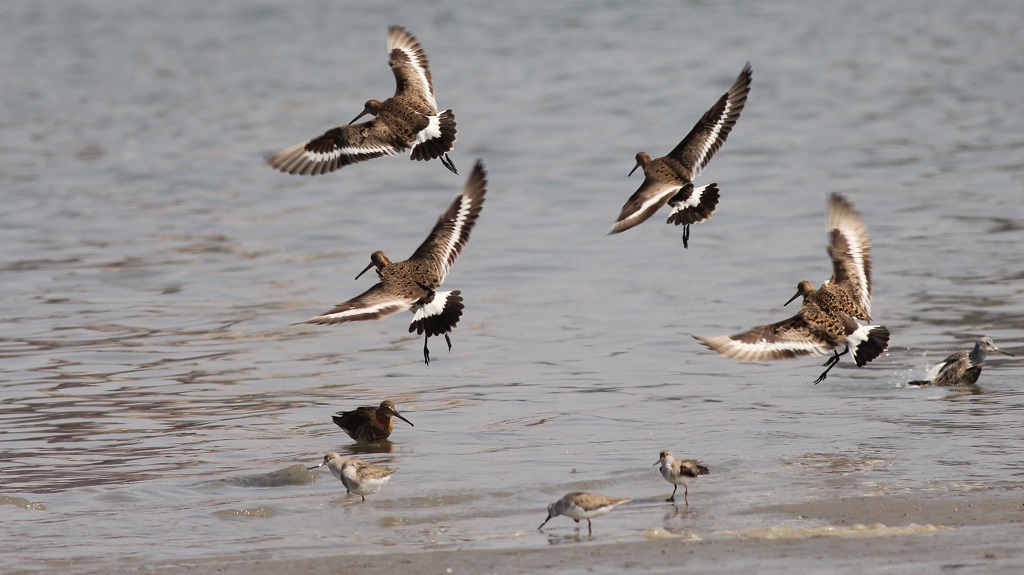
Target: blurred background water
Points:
(152, 267)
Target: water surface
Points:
(152, 268)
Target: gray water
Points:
(153, 266)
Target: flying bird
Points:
(412, 284)
(669, 179)
(828, 316)
(406, 121)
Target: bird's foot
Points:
(448, 164)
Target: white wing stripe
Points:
(320, 157)
(465, 205)
(762, 349)
(709, 141)
(357, 311)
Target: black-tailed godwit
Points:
(406, 121)
(669, 179)
(827, 318)
(412, 284)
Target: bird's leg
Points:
(686, 495)
(686, 236)
(448, 164)
(449, 340)
(426, 352)
(590, 528)
(835, 358)
(672, 498)
(832, 361)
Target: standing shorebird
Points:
(827, 318)
(679, 472)
(961, 368)
(411, 284)
(582, 505)
(409, 119)
(356, 475)
(670, 179)
(369, 423)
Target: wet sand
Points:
(976, 531)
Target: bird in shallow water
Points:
(829, 314)
(669, 179)
(406, 121)
(962, 367)
(581, 505)
(679, 472)
(356, 475)
(369, 423)
(411, 284)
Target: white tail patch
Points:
(432, 308)
(433, 130)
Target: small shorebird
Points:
(679, 472)
(356, 475)
(961, 368)
(369, 423)
(411, 284)
(409, 119)
(582, 505)
(827, 318)
(669, 179)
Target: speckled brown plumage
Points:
(411, 284)
(409, 120)
(827, 317)
(669, 179)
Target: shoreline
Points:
(849, 535)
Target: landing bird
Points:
(669, 179)
(356, 475)
(961, 368)
(412, 284)
(409, 119)
(679, 472)
(582, 505)
(827, 318)
(369, 423)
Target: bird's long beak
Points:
(633, 170)
(791, 299)
(657, 462)
(361, 114)
(364, 270)
(545, 522)
(399, 416)
(1005, 353)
